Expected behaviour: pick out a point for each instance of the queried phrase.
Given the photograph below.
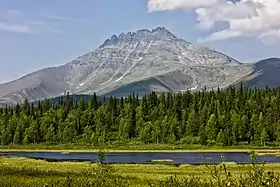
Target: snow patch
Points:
(80, 85)
(125, 60)
(141, 58)
(119, 79)
(194, 88)
(135, 62)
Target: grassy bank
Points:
(137, 148)
(27, 172)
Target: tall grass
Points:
(24, 176)
(254, 176)
(31, 173)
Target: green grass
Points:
(28, 172)
(67, 148)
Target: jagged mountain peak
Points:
(139, 62)
(140, 55)
(159, 33)
(162, 30)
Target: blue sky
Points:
(36, 33)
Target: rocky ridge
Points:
(138, 62)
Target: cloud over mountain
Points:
(254, 18)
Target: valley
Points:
(145, 108)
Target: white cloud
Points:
(221, 35)
(16, 21)
(255, 18)
(163, 5)
(15, 28)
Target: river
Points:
(175, 158)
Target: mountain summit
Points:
(156, 58)
(138, 62)
(160, 33)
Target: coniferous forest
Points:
(226, 117)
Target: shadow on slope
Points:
(266, 73)
(141, 88)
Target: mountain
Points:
(45, 83)
(266, 73)
(137, 62)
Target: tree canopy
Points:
(226, 117)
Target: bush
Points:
(254, 176)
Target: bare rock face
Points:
(140, 62)
(129, 58)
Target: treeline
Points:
(225, 117)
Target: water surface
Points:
(176, 158)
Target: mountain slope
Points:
(266, 73)
(45, 83)
(138, 62)
(126, 59)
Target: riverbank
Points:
(28, 172)
(68, 148)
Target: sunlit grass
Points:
(40, 172)
(131, 147)
(257, 152)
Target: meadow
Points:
(27, 172)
